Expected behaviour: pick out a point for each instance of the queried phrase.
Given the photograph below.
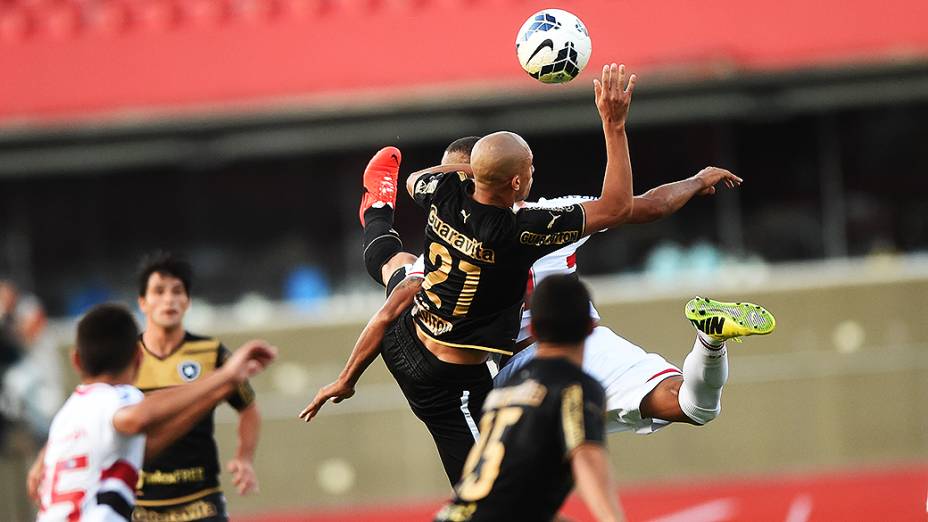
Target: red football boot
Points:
(380, 179)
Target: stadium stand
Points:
(250, 50)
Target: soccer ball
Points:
(553, 46)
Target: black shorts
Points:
(210, 508)
(447, 397)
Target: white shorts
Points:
(626, 372)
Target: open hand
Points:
(243, 476)
(712, 176)
(613, 95)
(337, 391)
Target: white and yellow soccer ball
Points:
(553, 46)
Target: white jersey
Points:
(91, 469)
(626, 372)
(562, 261)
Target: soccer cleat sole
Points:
(720, 320)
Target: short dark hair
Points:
(561, 310)
(164, 263)
(107, 339)
(463, 145)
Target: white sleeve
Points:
(129, 395)
(120, 397)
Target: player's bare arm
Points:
(613, 94)
(246, 362)
(414, 177)
(666, 199)
(35, 475)
(242, 465)
(161, 436)
(365, 349)
(165, 407)
(593, 480)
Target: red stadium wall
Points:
(68, 58)
(897, 494)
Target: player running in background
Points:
(102, 433)
(543, 430)
(478, 255)
(183, 482)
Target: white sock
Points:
(708, 341)
(705, 371)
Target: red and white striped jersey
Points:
(562, 261)
(90, 468)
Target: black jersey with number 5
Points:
(520, 468)
(477, 259)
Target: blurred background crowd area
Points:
(241, 142)
(235, 133)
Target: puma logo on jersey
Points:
(466, 215)
(554, 218)
(460, 242)
(712, 325)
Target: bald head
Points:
(499, 157)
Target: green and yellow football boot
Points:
(722, 321)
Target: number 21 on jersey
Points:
(441, 258)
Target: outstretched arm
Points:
(664, 200)
(162, 435)
(157, 409)
(613, 98)
(594, 482)
(365, 349)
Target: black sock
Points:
(380, 241)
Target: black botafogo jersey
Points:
(520, 468)
(477, 260)
(189, 468)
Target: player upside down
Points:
(644, 391)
